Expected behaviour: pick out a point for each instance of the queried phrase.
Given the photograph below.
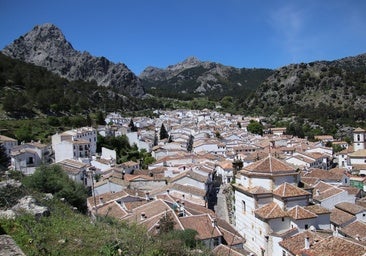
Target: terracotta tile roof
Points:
(335, 246)
(106, 198)
(288, 190)
(296, 243)
(190, 174)
(112, 209)
(254, 190)
(224, 250)
(350, 208)
(230, 235)
(269, 165)
(340, 217)
(153, 224)
(203, 224)
(270, 211)
(149, 210)
(4, 138)
(300, 213)
(359, 129)
(323, 174)
(323, 191)
(356, 230)
(190, 207)
(310, 181)
(358, 153)
(317, 209)
(226, 165)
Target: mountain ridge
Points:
(202, 78)
(46, 46)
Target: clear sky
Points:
(239, 33)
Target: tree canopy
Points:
(255, 127)
(163, 132)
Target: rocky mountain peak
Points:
(190, 62)
(46, 46)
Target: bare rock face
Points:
(28, 204)
(8, 247)
(46, 46)
(203, 78)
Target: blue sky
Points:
(239, 33)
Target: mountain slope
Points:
(193, 78)
(323, 89)
(46, 46)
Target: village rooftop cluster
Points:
(245, 194)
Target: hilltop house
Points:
(27, 156)
(8, 143)
(76, 144)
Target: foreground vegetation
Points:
(67, 231)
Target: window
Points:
(244, 208)
(30, 160)
(306, 226)
(358, 137)
(283, 253)
(283, 219)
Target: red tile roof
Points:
(270, 211)
(350, 208)
(340, 217)
(270, 165)
(356, 230)
(300, 213)
(335, 246)
(288, 190)
(203, 224)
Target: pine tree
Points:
(132, 126)
(163, 133)
(4, 159)
(190, 143)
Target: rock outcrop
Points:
(203, 78)
(46, 46)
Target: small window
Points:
(244, 208)
(306, 226)
(283, 219)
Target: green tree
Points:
(190, 143)
(132, 126)
(4, 159)
(255, 127)
(24, 133)
(100, 119)
(53, 179)
(163, 133)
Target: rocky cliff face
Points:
(46, 46)
(202, 78)
(335, 86)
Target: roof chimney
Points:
(101, 201)
(143, 216)
(307, 243)
(317, 192)
(147, 196)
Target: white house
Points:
(27, 156)
(8, 143)
(72, 149)
(258, 214)
(86, 134)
